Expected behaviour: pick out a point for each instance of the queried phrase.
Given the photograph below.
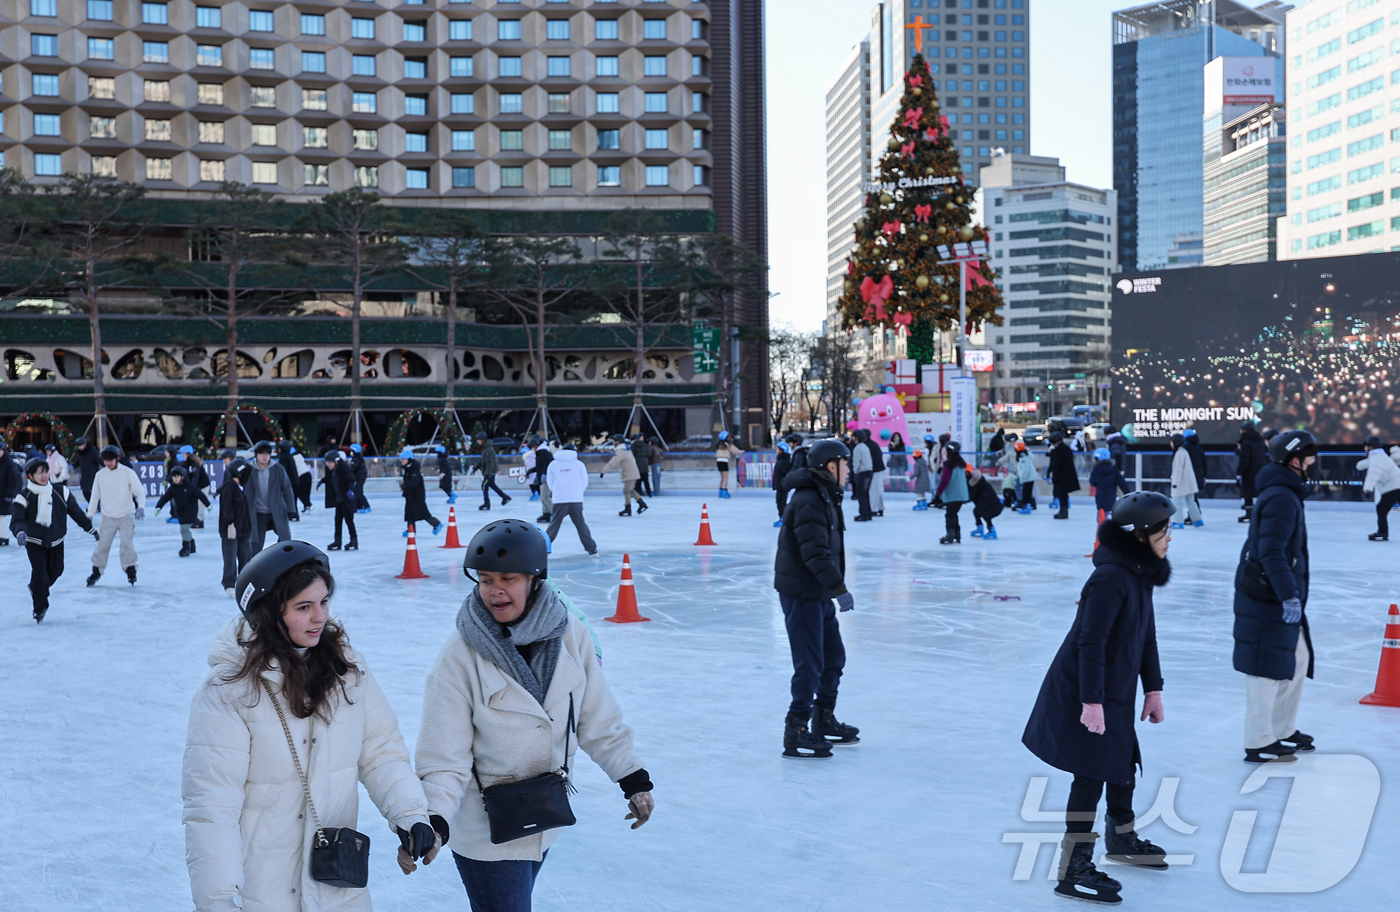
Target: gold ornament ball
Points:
(917, 91)
(966, 232)
(860, 223)
(951, 206)
(886, 198)
(894, 143)
(929, 171)
(943, 298)
(922, 282)
(958, 199)
(850, 286)
(923, 238)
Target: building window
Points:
(699, 139)
(156, 168)
(313, 24)
(155, 14)
(362, 65)
(316, 175)
(415, 68)
(608, 102)
(264, 134)
(313, 99)
(558, 103)
(415, 31)
(366, 140)
(313, 62)
(155, 52)
(653, 66)
(1365, 231)
(259, 21)
(512, 103)
(364, 103)
(508, 30)
(658, 176)
(210, 93)
(210, 55)
(43, 7)
(261, 59)
(654, 29)
(561, 140)
(463, 104)
(512, 177)
(45, 84)
(211, 131)
(512, 140)
(155, 90)
(47, 125)
(262, 96)
(605, 29)
(204, 17)
(99, 9)
(557, 30)
(463, 177)
(609, 176)
(417, 179)
(367, 176)
(702, 176)
(463, 140)
(699, 66)
(415, 105)
(43, 45)
(48, 165)
(101, 49)
(104, 165)
(100, 87)
(211, 170)
(315, 137)
(605, 66)
(609, 139)
(508, 67)
(362, 28)
(459, 30)
(102, 127)
(655, 103)
(264, 172)
(657, 139)
(561, 177)
(557, 66)
(416, 142)
(699, 102)
(460, 66)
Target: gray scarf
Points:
(543, 623)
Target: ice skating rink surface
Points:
(947, 647)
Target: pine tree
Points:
(894, 275)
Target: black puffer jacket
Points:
(88, 461)
(234, 509)
(415, 496)
(1198, 461)
(186, 498)
(811, 561)
(1064, 478)
(11, 476)
(1265, 646)
(26, 507)
(340, 485)
(1253, 456)
(782, 464)
(1111, 645)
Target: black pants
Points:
(644, 483)
(950, 514)
(346, 515)
(1084, 804)
(237, 553)
(360, 502)
(818, 655)
(262, 524)
(488, 484)
(45, 567)
(1383, 508)
(781, 496)
(860, 483)
(1027, 494)
(304, 490)
(979, 518)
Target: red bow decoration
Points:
(907, 149)
(911, 117)
(903, 319)
(930, 135)
(916, 80)
(943, 122)
(876, 294)
(850, 268)
(922, 213)
(890, 228)
(975, 279)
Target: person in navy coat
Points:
(1083, 718)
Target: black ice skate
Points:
(353, 546)
(192, 548)
(826, 727)
(543, 517)
(94, 577)
(1299, 741)
(1277, 752)
(626, 512)
(1376, 536)
(184, 549)
(951, 540)
(1079, 879)
(505, 499)
(800, 743)
(131, 575)
(1123, 845)
(39, 615)
(641, 506)
(333, 546)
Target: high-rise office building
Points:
(1346, 119)
(1055, 244)
(1243, 159)
(847, 165)
(1159, 54)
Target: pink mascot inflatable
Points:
(883, 416)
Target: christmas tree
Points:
(894, 276)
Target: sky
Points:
(808, 40)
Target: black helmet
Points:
(1291, 444)
(50, 448)
(263, 445)
(177, 470)
(1246, 425)
(823, 451)
(480, 435)
(81, 441)
(1269, 433)
(944, 438)
(953, 446)
(111, 452)
(35, 465)
(241, 470)
(228, 454)
(1142, 510)
(1056, 437)
(260, 574)
(508, 546)
(1374, 441)
(793, 439)
(1178, 440)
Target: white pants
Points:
(1186, 505)
(1271, 707)
(107, 531)
(877, 491)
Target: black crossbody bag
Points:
(530, 806)
(339, 856)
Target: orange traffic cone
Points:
(452, 540)
(705, 538)
(1103, 514)
(411, 569)
(1387, 692)
(626, 598)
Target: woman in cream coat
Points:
(248, 831)
(1184, 487)
(498, 702)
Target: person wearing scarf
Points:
(497, 709)
(39, 521)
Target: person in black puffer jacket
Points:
(340, 497)
(235, 522)
(782, 465)
(12, 480)
(39, 519)
(1252, 456)
(809, 572)
(88, 463)
(1273, 645)
(186, 499)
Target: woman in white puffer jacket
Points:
(248, 831)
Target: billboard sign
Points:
(1247, 81)
(978, 359)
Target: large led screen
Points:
(1302, 343)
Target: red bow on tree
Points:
(930, 135)
(876, 294)
(890, 228)
(922, 213)
(903, 319)
(850, 268)
(943, 121)
(975, 279)
(911, 117)
(907, 149)
(916, 80)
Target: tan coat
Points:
(476, 714)
(624, 463)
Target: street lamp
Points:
(963, 253)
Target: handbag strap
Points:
(481, 788)
(296, 761)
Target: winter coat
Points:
(234, 510)
(726, 451)
(340, 486)
(1198, 460)
(288, 462)
(489, 464)
(302, 466)
(187, 499)
(11, 476)
(860, 459)
(877, 458)
(248, 834)
(1110, 646)
(1025, 468)
(998, 442)
(89, 461)
(1183, 478)
(782, 464)
(543, 457)
(1382, 475)
(1265, 646)
(58, 467)
(359, 469)
(984, 497)
(1252, 456)
(445, 469)
(623, 464)
(654, 454)
(640, 454)
(921, 477)
(1118, 449)
(477, 716)
(952, 484)
(567, 477)
(1064, 479)
(415, 495)
(811, 559)
(116, 492)
(25, 507)
(281, 502)
(1106, 481)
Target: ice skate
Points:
(778, 524)
(642, 507)
(184, 549)
(94, 577)
(800, 743)
(228, 593)
(1199, 523)
(543, 517)
(921, 505)
(1299, 742)
(950, 540)
(199, 523)
(452, 498)
(1060, 515)
(1123, 845)
(1277, 752)
(991, 535)
(1376, 536)
(192, 546)
(438, 528)
(826, 727)
(39, 615)
(333, 546)
(4, 542)
(1079, 879)
(131, 575)
(626, 512)
(1024, 511)
(1178, 526)
(977, 532)
(353, 546)
(534, 497)
(485, 506)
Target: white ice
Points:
(940, 678)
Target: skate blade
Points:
(1128, 862)
(1098, 899)
(847, 743)
(810, 755)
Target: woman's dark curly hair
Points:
(308, 680)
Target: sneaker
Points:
(1277, 752)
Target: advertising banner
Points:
(755, 470)
(962, 403)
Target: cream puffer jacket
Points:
(475, 713)
(248, 834)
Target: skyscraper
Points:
(847, 165)
(1159, 54)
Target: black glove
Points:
(21, 538)
(93, 533)
(418, 842)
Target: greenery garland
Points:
(273, 428)
(448, 431)
(60, 430)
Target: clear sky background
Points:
(1071, 108)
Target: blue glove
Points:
(1292, 611)
(140, 514)
(845, 601)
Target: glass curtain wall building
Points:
(1159, 54)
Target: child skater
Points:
(921, 480)
(1106, 481)
(186, 498)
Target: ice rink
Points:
(947, 647)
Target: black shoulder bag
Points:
(530, 806)
(339, 856)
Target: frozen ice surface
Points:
(940, 679)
